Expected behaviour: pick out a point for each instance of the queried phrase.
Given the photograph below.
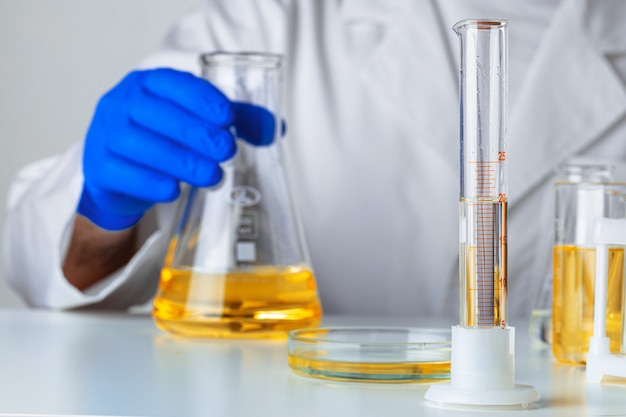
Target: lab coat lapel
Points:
(571, 95)
(380, 10)
(412, 70)
(411, 77)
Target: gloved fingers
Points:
(115, 203)
(171, 121)
(194, 94)
(119, 176)
(160, 154)
(255, 124)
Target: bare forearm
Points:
(95, 253)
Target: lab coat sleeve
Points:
(43, 197)
(40, 212)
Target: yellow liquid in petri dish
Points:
(573, 300)
(365, 354)
(263, 302)
(317, 365)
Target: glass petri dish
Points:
(365, 354)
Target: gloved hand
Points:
(153, 130)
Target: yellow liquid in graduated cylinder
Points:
(483, 264)
(573, 299)
(472, 292)
(369, 372)
(264, 302)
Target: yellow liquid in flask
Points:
(573, 300)
(263, 302)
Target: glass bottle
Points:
(580, 200)
(540, 328)
(238, 266)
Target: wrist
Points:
(95, 253)
(104, 219)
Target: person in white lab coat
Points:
(372, 109)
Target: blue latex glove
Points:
(153, 130)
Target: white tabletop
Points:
(94, 363)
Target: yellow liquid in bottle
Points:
(264, 302)
(314, 364)
(573, 299)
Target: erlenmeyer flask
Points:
(238, 265)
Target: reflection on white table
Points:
(113, 364)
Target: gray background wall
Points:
(57, 57)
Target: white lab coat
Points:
(372, 109)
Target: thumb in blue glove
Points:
(153, 130)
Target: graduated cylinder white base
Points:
(482, 370)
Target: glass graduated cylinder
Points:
(483, 81)
(483, 261)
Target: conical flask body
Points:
(238, 265)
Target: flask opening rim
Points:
(244, 58)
